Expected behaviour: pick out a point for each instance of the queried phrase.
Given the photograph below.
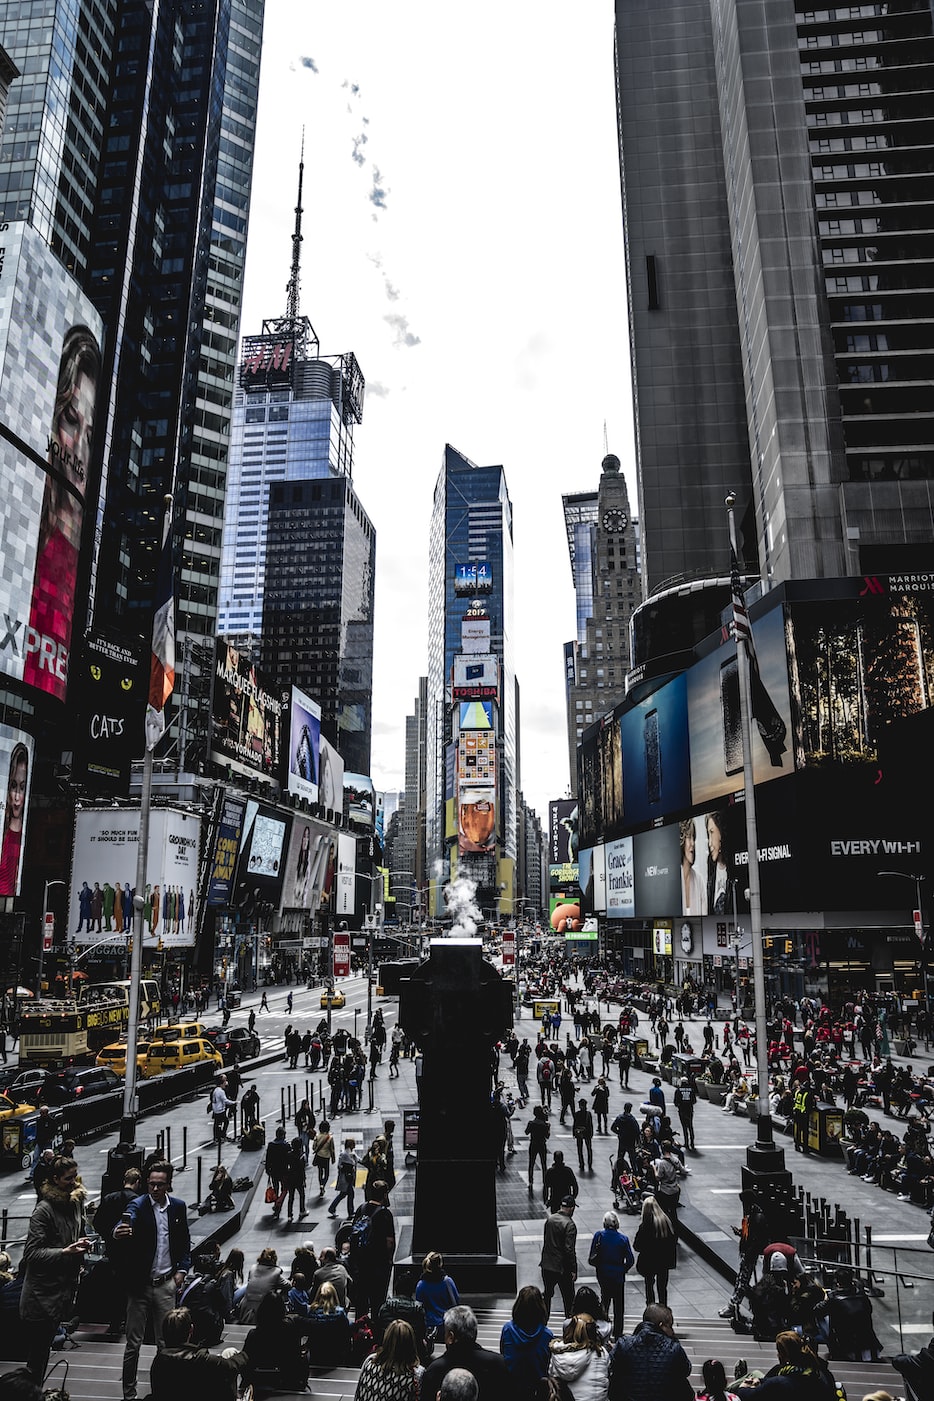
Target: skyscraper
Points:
(472, 759)
(774, 162)
(603, 544)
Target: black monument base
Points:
(473, 1274)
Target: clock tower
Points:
(597, 663)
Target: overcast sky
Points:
(463, 237)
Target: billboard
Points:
(656, 871)
(476, 817)
(267, 363)
(592, 878)
(476, 677)
(103, 871)
(303, 758)
(112, 682)
(16, 767)
(474, 577)
(309, 867)
(476, 758)
(620, 883)
(562, 832)
(360, 798)
(247, 719)
(226, 846)
(346, 873)
(330, 777)
(475, 631)
(261, 861)
(50, 361)
(475, 715)
(655, 758)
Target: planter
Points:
(717, 1094)
(702, 1086)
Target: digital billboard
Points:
(360, 797)
(476, 758)
(656, 871)
(226, 846)
(474, 577)
(247, 718)
(50, 360)
(475, 631)
(475, 715)
(592, 878)
(308, 864)
(346, 874)
(713, 706)
(261, 863)
(656, 763)
(103, 882)
(476, 817)
(620, 884)
(563, 843)
(111, 688)
(267, 363)
(302, 766)
(330, 777)
(476, 677)
(16, 766)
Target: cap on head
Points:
(568, 1201)
(778, 1262)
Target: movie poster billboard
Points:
(620, 883)
(247, 718)
(563, 842)
(111, 687)
(656, 872)
(50, 364)
(226, 846)
(476, 677)
(302, 759)
(16, 767)
(103, 883)
(360, 798)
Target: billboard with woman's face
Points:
(16, 776)
(50, 365)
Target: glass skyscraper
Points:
(471, 530)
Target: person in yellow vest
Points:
(804, 1103)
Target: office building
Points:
(472, 759)
(407, 866)
(775, 166)
(603, 545)
(317, 620)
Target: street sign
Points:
(48, 932)
(915, 914)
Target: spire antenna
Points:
(292, 290)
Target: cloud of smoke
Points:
(400, 324)
(462, 907)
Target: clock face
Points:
(615, 520)
(687, 938)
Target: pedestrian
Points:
(624, 1060)
(753, 1233)
(152, 1258)
(600, 1095)
(251, 1021)
(656, 1247)
(656, 1095)
(249, 1109)
(435, 1291)
(566, 1092)
(666, 1170)
(277, 1166)
(559, 1182)
(559, 1255)
(461, 1350)
(220, 1107)
(580, 1361)
(524, 1343)
(685, 1098)
(583, 1134)
(305, 1126)
(346, 1178)
(264, 1002)
(626, 1128)
(545, 1075)
(537, 1129)
(288, 1004)
(611, 1255)
(296, 1171)
(323, 1153)
(803, 1104)
(650, 1364)
(56, 1245)
(46, 1132)
(371, 1252)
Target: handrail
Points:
(898, 1279)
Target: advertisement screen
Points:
(111, 693)
(16, 763)
(346, 873)
(656, 766)
(592, 877)
(620, 884)
(261, 863)
(476, 758)
(657, 876)
(104, 876)
(475, 634)
(476, 715)
(303, 761)
(562, 831)
(308, 864)
(226, 846)
(330, 777)
(247, 718)
(713, 705)
(476, 677)
(360, 798)
(610, 770)
(589, 788)
(50, 362)
(476, 817)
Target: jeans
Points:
(345, 1187)
(155, 1301)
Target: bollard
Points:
(369, 1096)
(4, 1226)
(160, 1142)
(200, 1165)
(184, 1147)
(282, 1104)
(220, 1146)
(168, 1143)
(307, 1091)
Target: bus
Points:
(149, 1001)
(56, 1032)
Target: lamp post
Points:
(919, 926)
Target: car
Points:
(20, 1085)
(180, 1031)
(77, 1082)
(9, 1109)
(333, 997)
(237, 1043)
(175, 1055)
(115, 1056)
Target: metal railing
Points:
(898, 1279)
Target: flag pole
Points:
(161, 678)
(742, 630)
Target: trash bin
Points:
(118, 1160)
(825, 1129)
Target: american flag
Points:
(741, 628)
(162, 667)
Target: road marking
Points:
(876, 1239)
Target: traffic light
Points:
(789, 945)
(768, 941)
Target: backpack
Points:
(546, 1071)
(360, 1230)
(362, 1341)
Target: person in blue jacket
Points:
(436, 1291)
(524, 1343)
(611, 1255)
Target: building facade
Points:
(773, 164)
(603, 544)
(471, 754)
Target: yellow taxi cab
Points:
(115, 1056)
(333, 997)
(11, 1110)
(175, 1055)
(182, 1031)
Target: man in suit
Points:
(152, 1253)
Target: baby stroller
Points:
(626, 1188)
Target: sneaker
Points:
(740, 1369)
(727, 1311)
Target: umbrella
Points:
(78, 976)
(20, 992)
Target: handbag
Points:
(594, 1255)
(271, 1195)
(57, 1393)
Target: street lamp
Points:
(919, 926)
